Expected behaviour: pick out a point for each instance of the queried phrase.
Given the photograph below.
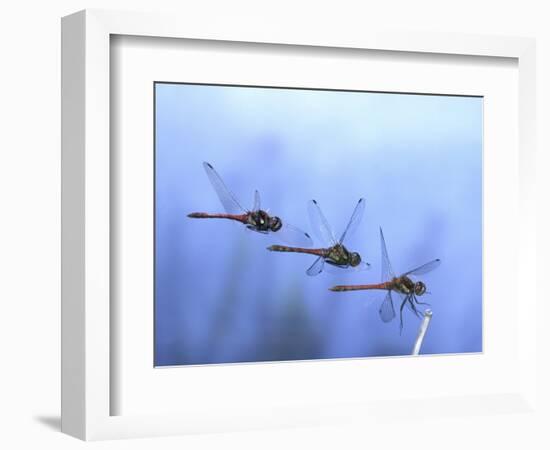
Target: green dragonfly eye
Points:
(355, 259)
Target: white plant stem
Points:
(422, 331)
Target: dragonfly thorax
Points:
(263, 222)
(340, 256)
(405, 285)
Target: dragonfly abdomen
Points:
(362, 287)
(309, 251)
(238, 217)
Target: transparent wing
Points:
(355, 219)
(317, 267)
(363, 266)
(257, 201)
(386, 311)
(250, 229)
(387, 271)
(333, 268)
(320, 225)
(228, 200)
(336, 270)
(292, 235)
(425, 268)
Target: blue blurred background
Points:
(220, 297)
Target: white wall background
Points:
(30, 198)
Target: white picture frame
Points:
(86, 246)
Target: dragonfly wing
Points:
(387, 271)
(425, 268)
(227, 199)
(257, 201)
(386, 311)
(362, 267)
(355, 219)
(320, 225)
(317, 267)
(292, 235)
(336, 270)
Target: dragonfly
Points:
(256, 219)
(402, 285)
(335, 254)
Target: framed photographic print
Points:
(270, 228)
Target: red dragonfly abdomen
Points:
(387, 285)
(243, 218)
(309, 251)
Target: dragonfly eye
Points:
(419, 288)
(355, 259)
(275, 224)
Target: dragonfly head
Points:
(275, 223)
(419, 288)
(354, 259)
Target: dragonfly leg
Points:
(255, 229)
(405, 300)
(420, 303)
(411, 302)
